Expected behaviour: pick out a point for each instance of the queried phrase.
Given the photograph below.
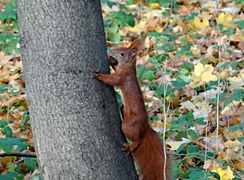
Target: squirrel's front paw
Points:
(96, 72)
(126, 148)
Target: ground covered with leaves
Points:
(191, 75)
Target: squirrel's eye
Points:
(122, 54)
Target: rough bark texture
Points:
(74, 117)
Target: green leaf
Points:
(178, 127)
(114, 28)
(184, 49)
(165, 3)
(179, 84)
(221, 27)
(3, 123)
(191, 17)
(155, 34)
(239, 2)
(184, 42)
(185, 78)
(129, 2)
(121, 18)
(233, 65)
(236, 127)
(196, 174)
(230, 31)
(167, 48)
(180, 135)
(192, 135)
(165, 14)
(9, 176)
(241, 24)
(189, 54)
(221, 96)
(238, 94)
(11, 168)
(225, 65)
(130, 20)
(201, 121)
(18, 167)
(10, 10)
(30, 163)
(7, 131)
(149, 75)
(7, 144)
(160, 91)
(192, 149)
(115, 37)
(180, 148)
(11, 46)
(190, 119)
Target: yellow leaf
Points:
(6, 161)
(223, 156)
(225, 19)
(202, 74)
(222, 18)
(232, 144)
(158, 29)
(154, 5)
(132, 6)
(170, 99)
(233, 134)
(239, 164)
(224, 74)
(160, 124)
(198, 24)
(17, 116)
(239, 36)
(226, 174)
(139, 27)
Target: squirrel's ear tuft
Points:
(132, 53)
(138, 44)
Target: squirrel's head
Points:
(121, 56)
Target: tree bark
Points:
(74, 117)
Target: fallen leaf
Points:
(225, 19)
(230, 106)
(233, 144)
(154, 5)
(200, 24)
(174, 145)
(139, 27)
(4, 74)
(226, 174)
(202, 74)
(237, 82)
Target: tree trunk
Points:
(74, 117)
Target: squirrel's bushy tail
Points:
(150, 156)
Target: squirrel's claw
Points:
(96, 72)
(126, 149)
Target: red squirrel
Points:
(146, 147)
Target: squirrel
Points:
(147, 148)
